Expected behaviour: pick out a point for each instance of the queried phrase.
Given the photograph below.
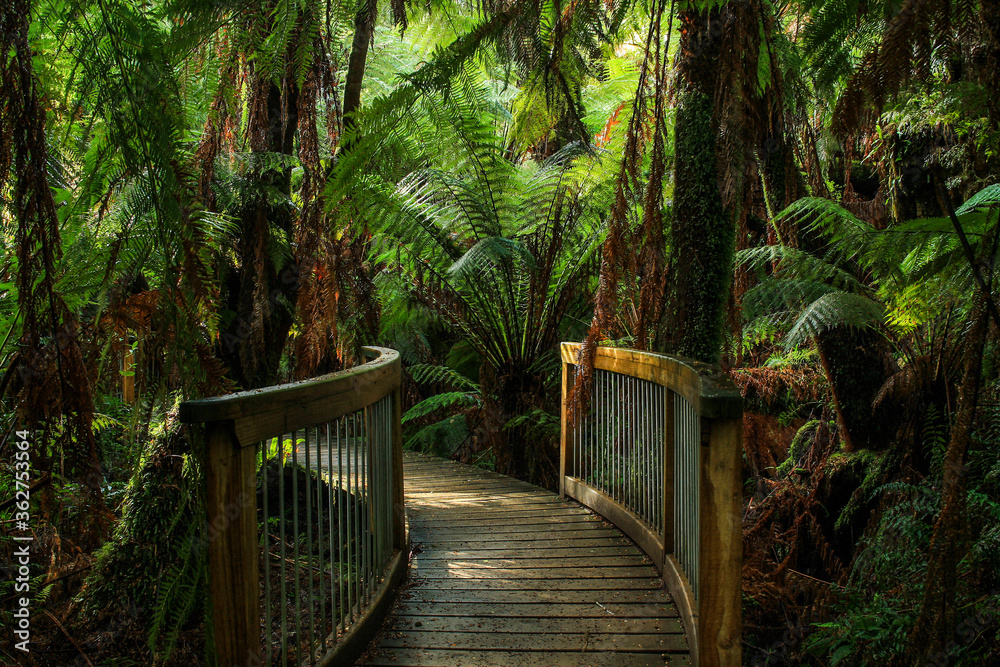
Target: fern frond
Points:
(427, 373)
(439, 401)
(833, 310)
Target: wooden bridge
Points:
(506, 573)
(635, 562)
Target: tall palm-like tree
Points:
(498, 251)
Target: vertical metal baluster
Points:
(605, 449)
(616, 400)
(378, 487)
(631, 468)
(599, 478)
(368, 503)
(692, 508)
(596, 422)
(593, 429)
(333, 554)
(692, 468)
(295, 536)
(613, 422)
(598, 413)
(283, 600)
(342, 504)
(309, 547)
(320, 543)
(387, 475)
(660, 441)
(351, 508)
(377, 490)
(586, 438)
(656, 439)
(361, 465)
(686, 469)
(588, 434)
(369, 461)
(615, 414)
(678, 478)
(645, 490)
(358, 509)
(362, 506)
(654, 471)
(621, 413)
(575, 432)
(651, 468)
(319, 569)
(637, 479)
(386, 483)
(267, 556)
(621, 399)
(602, 442)
(659, 445)
(622, 435)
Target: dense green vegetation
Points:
(239, 194)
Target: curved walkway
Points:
(504, 573)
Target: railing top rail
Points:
(705, 386)
(272, 411)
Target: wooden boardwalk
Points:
(507, 574)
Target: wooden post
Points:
(398, 501)
(234, 583)
(128, 377)
(566, 434)
(720, 615)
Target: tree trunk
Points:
(364, 24)
(857, 364)
(936, 624)
(261, 294)
(703, 232)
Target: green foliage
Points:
(797, 449)
(880, 601)
(426, 373)
(440, 401)
(441, 438)
(156, 556)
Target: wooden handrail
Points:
(234, 427)
(693, 422)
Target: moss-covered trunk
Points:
(703, 233)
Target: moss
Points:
(800, 443)
(153, 571)
(703, 233)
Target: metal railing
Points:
(306, 528)
(658, 452)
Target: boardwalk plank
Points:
(531, 642)
(459, 658)
(505, 574)
(550, 584)
(537, 625)
(605, 597)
